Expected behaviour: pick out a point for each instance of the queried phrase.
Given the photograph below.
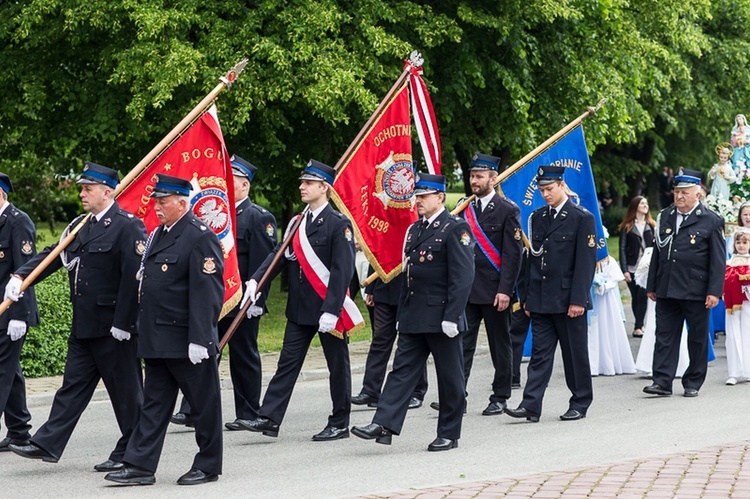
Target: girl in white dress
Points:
(737, 300)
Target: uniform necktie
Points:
(422, 228)
(552, 213)
(478, 206)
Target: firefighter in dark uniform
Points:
(560, 270)
(180, 299)
(101, 261)
(686, 279)
(384, 297)
(17, 246)
(497, 259)
(439, 270)
(330, 237)
(256, 237)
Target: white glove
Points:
(16, 329)
(327, 322)
(13, 289)
(251, 293)
(196, 353)
(449, 328)
(254, 311)
(119, 334)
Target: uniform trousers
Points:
(297, 338)
(670, 315)
(244, 368)
(408, 366)
(13, 388)
(383, 337)
(519, 329)
(572, 334)
(497, 325)
(88, 361)
(200, 385)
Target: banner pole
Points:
(590, 111)
(413, 57)
(226, 81)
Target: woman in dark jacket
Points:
(636, 234)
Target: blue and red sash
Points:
(489, 250)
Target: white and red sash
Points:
(318, 275)
(489, 250)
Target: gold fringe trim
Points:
(734, 309)
(231, 303)
(340, 335)
(743, 277)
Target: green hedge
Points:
(46, 345)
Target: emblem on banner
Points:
(394, 182)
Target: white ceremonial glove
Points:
(119, 334)
(13, 289)
(254, 311)
(449, 328)
(327, 322)
(16, 329)
(197, 353)
(251, 293)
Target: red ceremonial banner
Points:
(200, 156)
(375, 187)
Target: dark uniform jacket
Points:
(561, 273)
(501, 222)
(630, 245)
(256, 238)
(103, 286)
(17, 246)
(688, 265)
(182, 291)
(331, 238)
(385, 293)
(438, 275)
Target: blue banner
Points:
(570, 152)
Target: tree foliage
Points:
(104, 81)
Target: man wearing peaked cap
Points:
(686, 279)
(439, 270)
(18, 234)
(180, 297)
(556, 295)
(101, 261)
(256, 237)
(312, 309)
(496, 226)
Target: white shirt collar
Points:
(104, 211)
(166, 229)
(689, 212)
(317, 210)
(486, 199)
(435, 215)
(237, 203)
(559, 206)
(4, 207)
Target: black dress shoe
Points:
(196, 477)
(331, 433)
(261, 425)
(31, 451)
(109, 465)
(373, 431)
(235, 425)
(654, 389)
(4, 443)
(515, 385)
(442, 444)
(182, 419)
(435, 405)
(415, 403)
(690, 392)
(572, 415)
(364, 399)
(521, 412)
(495, 408)
(131, 475)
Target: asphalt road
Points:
(623, 423)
